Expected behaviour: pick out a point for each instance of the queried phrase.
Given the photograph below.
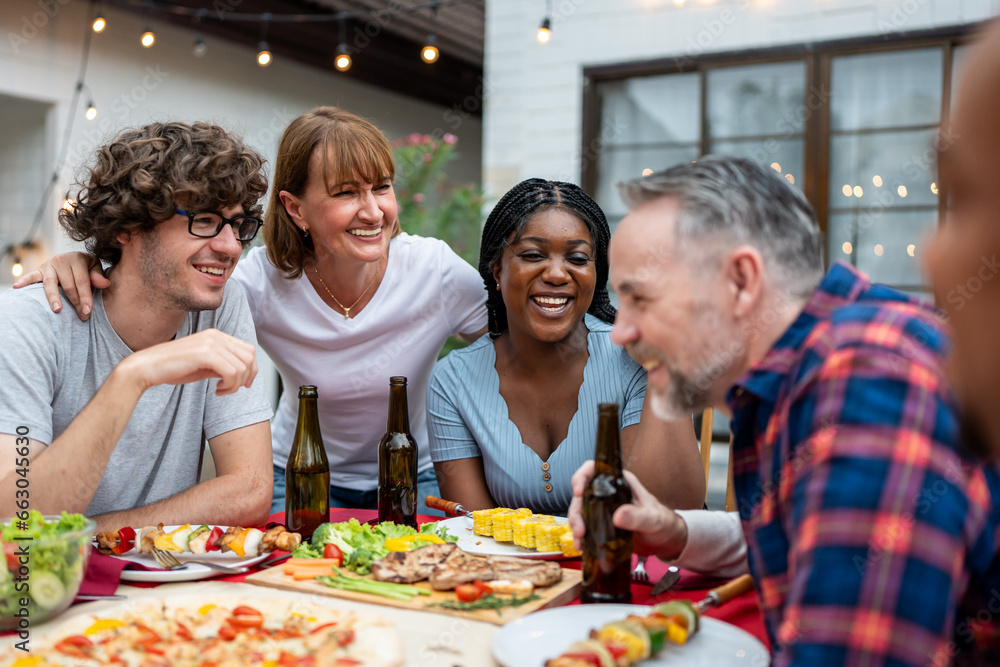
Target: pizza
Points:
(193, 631)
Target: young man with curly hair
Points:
(116, 408)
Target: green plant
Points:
(430, 205)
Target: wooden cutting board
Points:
(560, 593)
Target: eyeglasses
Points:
(208, 224)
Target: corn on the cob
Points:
(482, 521)
(503, 523)
(547, 537)
(566, 543)
(524, 529)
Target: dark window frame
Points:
(817, 57)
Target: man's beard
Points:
(680, 399)
(163, 277)
(690, 393)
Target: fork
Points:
(639, 573)
(169, 562)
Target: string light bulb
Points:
(148, 38)
(429, 52)
(91, 111)
(16, 269)
(263, 55)
(199, 49)
(99, 23)
(544, 33)
(342, 61)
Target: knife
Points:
(667, 581)
(449, 507)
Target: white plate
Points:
(192, 572)
(461, 527)
(531, 640)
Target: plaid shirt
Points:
(872, 536)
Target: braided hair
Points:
(510, 218)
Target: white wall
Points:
(40, 51)
(533, 110)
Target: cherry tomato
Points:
(483, 588)
(227, 633)
(246, 617)
(9, 550)
(333, 551)
(467, 593)
(344, 637)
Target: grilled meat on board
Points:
(460, 568)
(407, 567)
(447, 566)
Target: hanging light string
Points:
(544, 33)
(179, 10)
(30, 239)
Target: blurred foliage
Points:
(430, 205)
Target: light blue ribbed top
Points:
(467, 417)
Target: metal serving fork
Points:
(639, 573)
(169, 562)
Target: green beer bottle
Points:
(307, 475)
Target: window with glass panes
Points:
(856, 126)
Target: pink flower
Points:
(419, 197)
(415, 139)
(450, 139)
(428, 157)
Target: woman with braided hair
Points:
(512, 416)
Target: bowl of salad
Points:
(46, 558)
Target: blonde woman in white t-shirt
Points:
(340, 298)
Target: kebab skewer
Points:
(635, 638)
(199, 540)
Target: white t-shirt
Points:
(428, 293)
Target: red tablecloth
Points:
(742, 611)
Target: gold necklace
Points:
(347, 309)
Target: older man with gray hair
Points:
(869, 530)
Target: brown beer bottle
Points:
(397, 461)
(607, 550)
(307, 475)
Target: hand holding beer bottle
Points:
(607, 550)
(397, 461)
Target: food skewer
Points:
(635, 638)
(449, 507)
(244, 542)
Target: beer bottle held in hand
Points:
(607, 550)
(307, 475)
(397, 461)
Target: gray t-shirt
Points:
(52, 364)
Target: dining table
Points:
(429, 640)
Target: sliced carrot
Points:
(306, 576)
(311, 561)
